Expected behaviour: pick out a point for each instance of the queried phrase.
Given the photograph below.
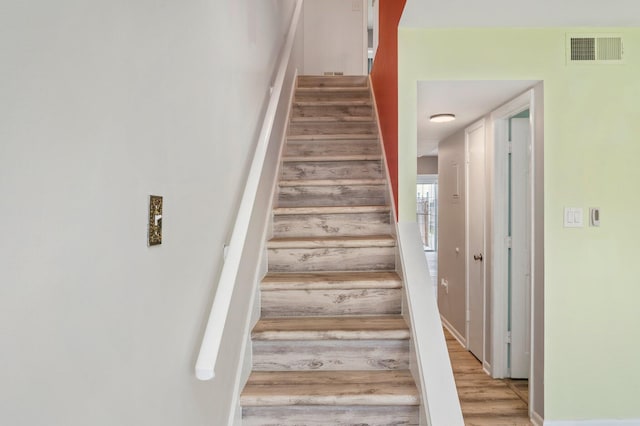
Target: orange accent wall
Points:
(384, 77)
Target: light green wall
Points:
(592, 149)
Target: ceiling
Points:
(468, 100)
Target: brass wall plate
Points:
(155, 220)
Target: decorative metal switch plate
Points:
(155, 220)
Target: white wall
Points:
(509, 13)
(335, 36)
(101, 104)
(451, 231)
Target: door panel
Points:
(520, 273)
(475, 247)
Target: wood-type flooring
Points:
(486, 401)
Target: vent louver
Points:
(594, 48)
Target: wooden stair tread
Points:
(333, 119)
(334, 158)
(268, 388)
(332, 81)
(331, 182)
(334, 89)
(330, 280)
(333, 241)
(357, 327)
(336, 136)
(330, 210)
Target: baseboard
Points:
(536, 419)
(627, 422)
(486, 367)
(453, 331)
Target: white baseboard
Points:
(486, 367)
(453, 331)
(628, 422)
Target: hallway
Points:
(486, 401)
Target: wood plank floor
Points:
(486, 401)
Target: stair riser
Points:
(327, 95)
(331, 302)
(332, 81)
(331, 259)
(332, 170)
(332, 148)
(323, 225)
(336, 416)
(331, 355)
(332, 110)
(332, 195)
(339, 128)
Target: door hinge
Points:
(509, 242)
(468, 313)
(510, 147)
(508, 338)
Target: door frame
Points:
(499, 297)
(480, 124)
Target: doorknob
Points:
(477, 257)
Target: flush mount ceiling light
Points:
(442, 118)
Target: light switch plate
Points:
(573, 217)
(155, 220)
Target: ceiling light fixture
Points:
(442, 118)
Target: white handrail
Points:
(439, 394)
(210, 347)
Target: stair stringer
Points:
(413, 360)
(446, 407)
(265, 230)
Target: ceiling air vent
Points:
(594, 48)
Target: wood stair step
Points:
(332, 93)
(357, 327)
(330, 182)
(330, 210)
(332, 81)
(332, 109)
(331, 302)
(338, 192)
(331, 170)
(358, 241)
(314, 254)
(333, 150)
(330, 281)
(333, 89)
(315, 128)
(336, 136)
(318, 415)
(334, 158)
(328, 355)
(390, 387)
(331, 221)
(330, 294)
(333, 119)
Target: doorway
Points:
(475, 238)
(427, 219)
(513, 248)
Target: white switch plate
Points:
(356, 5)
(573, 217)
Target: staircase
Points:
(331, 346)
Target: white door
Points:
(520, 273)
(475, 239)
